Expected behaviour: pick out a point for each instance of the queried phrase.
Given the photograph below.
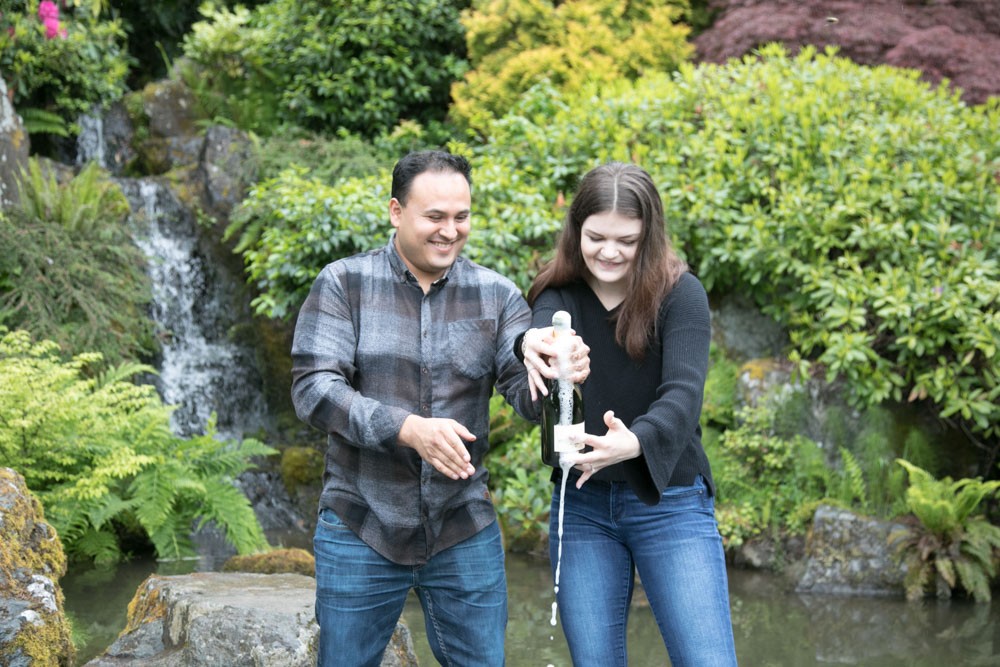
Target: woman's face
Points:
(608, 243)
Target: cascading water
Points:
(201, 371)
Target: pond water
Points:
(773, 626)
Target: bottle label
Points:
(561, 436)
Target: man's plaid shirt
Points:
(371, 348)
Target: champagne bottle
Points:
(562, 409)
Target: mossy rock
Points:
(301, 466)
(35, 629)
(279, 561)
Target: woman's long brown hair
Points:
(628, 190)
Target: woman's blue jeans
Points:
(608, 534)
(360, 596)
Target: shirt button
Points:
(425, 333)
(424, 370)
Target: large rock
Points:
(848, 554)
(954, 39)
(33, 627)
(13, 149)
(211, 619)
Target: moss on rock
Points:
(31, 562)
(301, 466)
(279, 561)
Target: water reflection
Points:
(773, 626)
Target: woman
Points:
(642, 499)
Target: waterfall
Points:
(195, 305)
(90, 141)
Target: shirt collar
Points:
(403, 272)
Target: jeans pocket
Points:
(329, 519)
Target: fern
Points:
(40, 121)
(949, 546)
(99, 453)
(854, 479)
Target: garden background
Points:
(849, 207)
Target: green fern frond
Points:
(170, 539)
(40, 121)
(107, 508)
(974, 580)
(99, 545)
(946, 568)
(227, 507)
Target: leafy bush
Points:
(764, 481)
(950, 548)
(513, 44)
(325, 159)
(522, 492)
(100, 455)
(64, 73)
(70, 271)
(857, 205)
(156, 29)
(330, 65)
(289, 227)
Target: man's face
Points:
(431, 229)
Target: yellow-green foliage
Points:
(100, 454)
(295, 561)
(28, 543)
(513, 44)
(950, 546)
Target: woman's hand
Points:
(617, 445)
(539, 348)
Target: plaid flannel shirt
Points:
(371, 348)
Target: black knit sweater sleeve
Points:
(671, 423)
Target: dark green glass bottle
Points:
(561, 416)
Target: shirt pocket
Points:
(471, 346)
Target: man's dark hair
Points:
(414, 164)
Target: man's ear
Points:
(395, 212)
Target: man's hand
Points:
(540, 360)
(617, 445)
(440, 443)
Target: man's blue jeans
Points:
(608, 534)
(360, 596)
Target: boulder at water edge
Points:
(848, 554)
(213, 618)
(33, 628)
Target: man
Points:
(395, 356)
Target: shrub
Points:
(324, 159)
(513, 44)
(764, 480)
(156, 29)
(950, 548)
(290, 226)
(522, 492)
(356, 66)
(65, 72)
(857, 205)
(100, 455)
(70, 271)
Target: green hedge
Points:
(857, 205)
(355, 66)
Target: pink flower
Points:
(47, 10)
(52, 28)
